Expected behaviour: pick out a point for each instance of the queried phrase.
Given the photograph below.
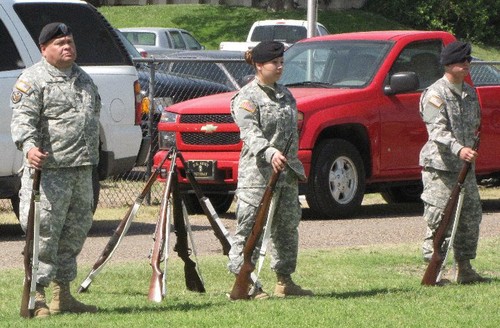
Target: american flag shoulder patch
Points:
(248, 106)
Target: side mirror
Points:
(402, 82)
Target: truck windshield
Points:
(335, 64)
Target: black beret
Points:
(53, 30)
(267, 50)
(456, 52)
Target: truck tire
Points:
(221, 203)
(337, 180)
(403, 194)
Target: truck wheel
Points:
(96, 186)
(403, 194)
(337, 180)
(221, 203)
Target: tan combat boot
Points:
(41, 309)
(467, 275)
(286, 287)
(63, 301)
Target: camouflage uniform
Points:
(59, 112)
(452, 117)
(267, 118)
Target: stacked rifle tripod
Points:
(172, 210)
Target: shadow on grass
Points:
(361, 293)
(179, 307)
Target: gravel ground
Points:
(376, 224)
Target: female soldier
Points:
(266, 114)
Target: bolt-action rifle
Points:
(243, 279)
(121, 230)
(219, 231)
(191, 274)
(31, 250)
(157, 285)
(433, 270)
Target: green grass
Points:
(355, 287)
(212, 24)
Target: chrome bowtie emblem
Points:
(209, 128)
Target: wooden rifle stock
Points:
(29, 286)
(434, 266)
(191, 275)
(121, 230)
(213, 217)
(156, 286)
(243, 279)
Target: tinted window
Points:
(9, 56)
(192, 44)
(422, 58)
(95, 41)
(177, 40)
(283, 33)
(141, 38)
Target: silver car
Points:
(160, 41)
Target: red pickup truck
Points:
(360, 128)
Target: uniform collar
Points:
(55, 72)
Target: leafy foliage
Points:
(473, 20)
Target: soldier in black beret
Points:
(450, 110)
(266, 113)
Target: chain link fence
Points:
(184, 76)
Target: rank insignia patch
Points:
(248, 106)
(16, 97)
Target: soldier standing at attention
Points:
(266, 114)
(451, 112)
(55, 123)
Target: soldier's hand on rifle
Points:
(468, 154)
(36, 157)
(278, 161)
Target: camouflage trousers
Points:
(284, 230)
(66, 200)
(437, 190)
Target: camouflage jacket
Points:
(57, 112)
(267, 118)
(452, 120)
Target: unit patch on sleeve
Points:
(248, 106)
(16, 96)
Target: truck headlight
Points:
(168, 117)
(166, 140)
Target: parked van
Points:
(100, 53)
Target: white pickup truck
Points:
(287, 31)
(100, 53)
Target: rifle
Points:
(31, 251)
(435, 265)
(218, 227)
(243, 279)
(121, 230)
(157, 285)
(219, 231)
(191, 274)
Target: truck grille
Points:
(208, 118)
(226, 138)
(195, 138)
